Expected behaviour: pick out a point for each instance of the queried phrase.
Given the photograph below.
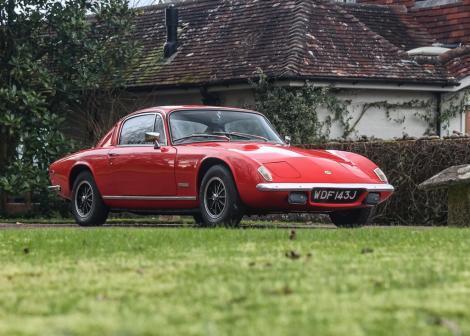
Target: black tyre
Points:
(88, 207)
(351, 218)
(198, 220)
(220, 203)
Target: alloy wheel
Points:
(215, 197)
(84, 199)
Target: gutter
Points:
(380, 84)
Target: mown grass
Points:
(112, 220)
(120, 281)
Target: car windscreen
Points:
(218, 125)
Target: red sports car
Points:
(216, 164)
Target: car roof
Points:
(167, 109)
(170, 108)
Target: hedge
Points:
(407, 163)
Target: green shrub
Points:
(52, 58)
(296, 111)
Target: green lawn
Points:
(120, 281)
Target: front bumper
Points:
(55, 188)
(310, 186)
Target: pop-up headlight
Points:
(265, 173)
(380, 174)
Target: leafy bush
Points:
(295, 111)
(52, 55)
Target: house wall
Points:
(457, 102)
(374, 123)
(400, 120)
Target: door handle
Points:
(113, 154)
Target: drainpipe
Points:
(438, 113)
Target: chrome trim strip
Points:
(310, 186)
(54, 188)
(150, 198)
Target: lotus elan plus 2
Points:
(216, 164)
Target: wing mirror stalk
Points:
(287, 139)
(153, 137)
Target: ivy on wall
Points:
(295, 111)
(455, 104)
(423, 110)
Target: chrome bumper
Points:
(54, 188)
(310, 186)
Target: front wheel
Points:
(351, 218)
(198, 220)
(88, 207)
(220, 203)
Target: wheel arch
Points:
(207, 164)
(78, 168)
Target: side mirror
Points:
(153, 137)
(287, 139)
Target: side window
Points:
(134, 129)
(160, 128)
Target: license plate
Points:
(335, 195)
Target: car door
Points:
(136, 167)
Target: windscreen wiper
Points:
(217, 136)
(243, 135)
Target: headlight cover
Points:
(265, 173)
(381, 175)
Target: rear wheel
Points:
(88, 207)
(219, 200)
(351, 218)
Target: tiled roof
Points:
(457, 61)
(393, 23)
(225, 41)
(447, 23)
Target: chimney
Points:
(171, 19)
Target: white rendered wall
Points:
(449, 102)
(374, 123)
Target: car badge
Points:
(328, 172)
